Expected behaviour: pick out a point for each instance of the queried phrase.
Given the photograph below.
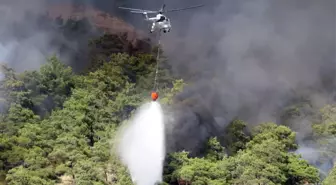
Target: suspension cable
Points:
(157, 64)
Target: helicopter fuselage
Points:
(160, 22)
(164, 26)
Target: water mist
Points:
(142, 145)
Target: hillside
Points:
(58, 126)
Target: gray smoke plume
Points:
(321, 154)
(250, 59)
(22, 44)
(28, 36)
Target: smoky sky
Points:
(27, 38)
(254, 57)
(21, 42)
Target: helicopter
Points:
(160, 22)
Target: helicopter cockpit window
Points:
(162, 18)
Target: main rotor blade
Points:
(180, 9)
(126, 8)
(135, 10)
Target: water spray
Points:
(142, 145)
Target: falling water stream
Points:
(142, 145)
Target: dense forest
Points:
(57, 126)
